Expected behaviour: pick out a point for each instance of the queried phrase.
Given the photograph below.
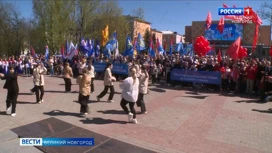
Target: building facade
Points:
(264, 38)
(158, 35)
(137, 26)
(168, 35)
(198, 27)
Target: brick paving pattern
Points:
(178, 121)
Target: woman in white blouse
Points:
(92, 75)
(38, 77)
(130, 91)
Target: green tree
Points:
(147, 37)
(55, 19)
(138, 12)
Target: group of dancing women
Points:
(134, 87)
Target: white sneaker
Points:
(130, 116)
(13, 114)
(134, 121)
(42, 101)
(85, 113)
(110, 101)
(8, 110)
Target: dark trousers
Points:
(12, 100)
(168, 77)
(68, 84)
(225, 84)
(141, 103)
(242, 87)
(154, 79)
(83, 101)
(131, 107)
(104, 92)
(39, 89)
(232, 85)
(92, 85)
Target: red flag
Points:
(242, 53)
(62, 50)
(225, 6)
(208, 20)
(234, 48)
(270, 51)
(220, 26)
(255, 39)
(219, 56)
(164, 45)
(76, 53)
(256, 19)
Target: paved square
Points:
(178, 121)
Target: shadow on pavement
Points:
(25, 94)
(157, 90)
(62, 113)
(54, 91)
(25, 102)
(251, 101)
(91, 101)
(112, 112)
(192, 93)
(98, 120)
(3, 113)
(196, 97)
(62, 84)
(269, 111)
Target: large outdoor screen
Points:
(231, 32)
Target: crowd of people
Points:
(248, 76)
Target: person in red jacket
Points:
(251, 72)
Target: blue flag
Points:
(159, 47)
(129, 48)
(67, 48)
(180, 48)
(46, 53)
(171, 47)
(189, 50)
(97, 48)
(84, 47)
(140, 46)
(151, 51)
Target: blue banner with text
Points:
(196, 76)
(121, 69)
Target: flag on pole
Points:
(151, 50)
(234, 48)
(159, 47)
(105, 35)
(140, 45)
(46, 53)
(73, 50)
(33, 53)
(220, 26)
(171, 46)
(208, 20)
(129, 48)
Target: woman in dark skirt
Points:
(84, 82)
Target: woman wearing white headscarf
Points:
(130, 91)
